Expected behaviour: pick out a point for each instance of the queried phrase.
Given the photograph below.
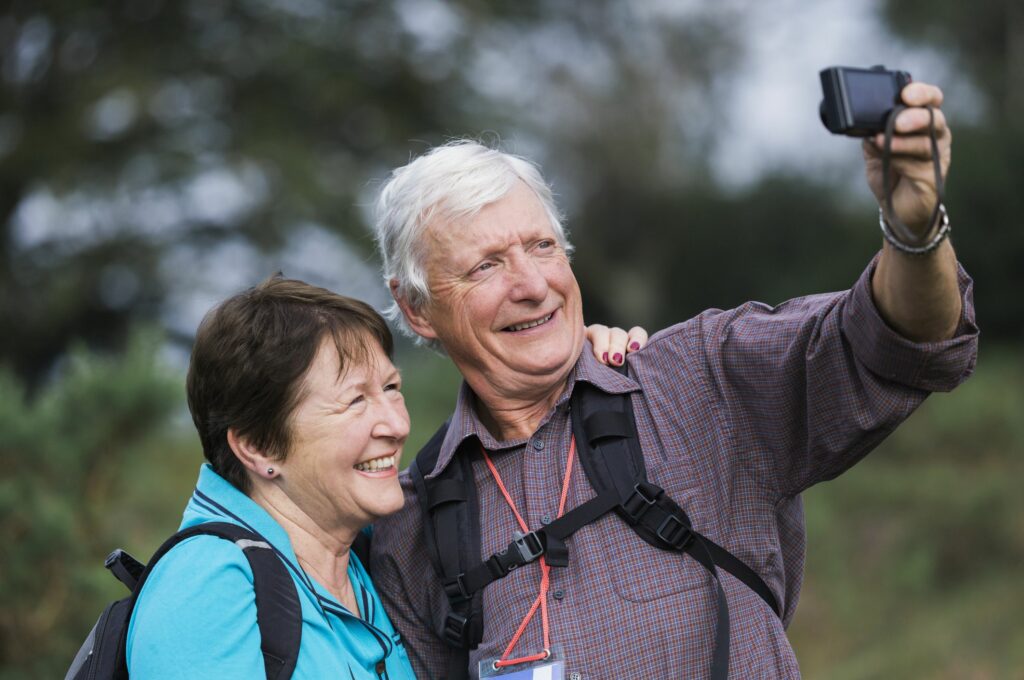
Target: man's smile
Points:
(528, 324)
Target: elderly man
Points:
(735, 413)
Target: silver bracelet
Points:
(899, 245)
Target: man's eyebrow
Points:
(485, 252)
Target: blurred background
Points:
(158, 156)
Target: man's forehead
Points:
(516, 217)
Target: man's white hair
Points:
(447, 183)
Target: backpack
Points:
(609, 452)
(279, 614)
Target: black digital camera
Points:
(858, 100)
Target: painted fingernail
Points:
(635, 346)
(617, 358)
(604, 357)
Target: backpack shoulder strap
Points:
(612, 458)
(361, 547)
(451, 532)
(279, 613)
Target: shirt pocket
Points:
(639, 572)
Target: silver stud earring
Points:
(270, 470)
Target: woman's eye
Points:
(392, 387)
(358, 400)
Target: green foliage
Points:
(68, 459)
(430, 384)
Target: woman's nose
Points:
(393, 421)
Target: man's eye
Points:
(483, 267)
(393, 387)
(358, 400)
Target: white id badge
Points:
(551, 668)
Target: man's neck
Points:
(507, 422)
(514, 415)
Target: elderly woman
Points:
(301, 417)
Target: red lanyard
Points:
(542, 600)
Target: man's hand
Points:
(912, 174)
(918, 296)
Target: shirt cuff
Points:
(932, 366)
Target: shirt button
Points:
(558, 594)
(538, 444)
(380, 667)
(546, 519)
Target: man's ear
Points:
(253, 459)
(417, 319)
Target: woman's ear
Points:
(253, 459)
(416, 319)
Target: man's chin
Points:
(555, 365)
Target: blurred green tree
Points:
(131, 128)
(131, 131)
(71, 489)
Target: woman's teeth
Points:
(382, 463)
(529, 324)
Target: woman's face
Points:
(347, 434)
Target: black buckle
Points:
(455, 589)
(529, 546)
(644, 497)
(674, 532)
(523, 549)
(455, 628)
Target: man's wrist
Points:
(941, 232)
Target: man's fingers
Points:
(912, 138)
(917, 146)
(921, 94)
(917, 120)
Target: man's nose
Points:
(528, 280)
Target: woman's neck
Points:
(322, 553)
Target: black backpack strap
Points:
(278, 611)
(361, 547)
(451, 529)
(612, 459)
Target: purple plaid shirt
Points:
(738, 412)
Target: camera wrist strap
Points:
(901, 230)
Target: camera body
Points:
(858, 100)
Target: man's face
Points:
(505, 303)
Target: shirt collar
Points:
(465, 424)
(217, 500)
